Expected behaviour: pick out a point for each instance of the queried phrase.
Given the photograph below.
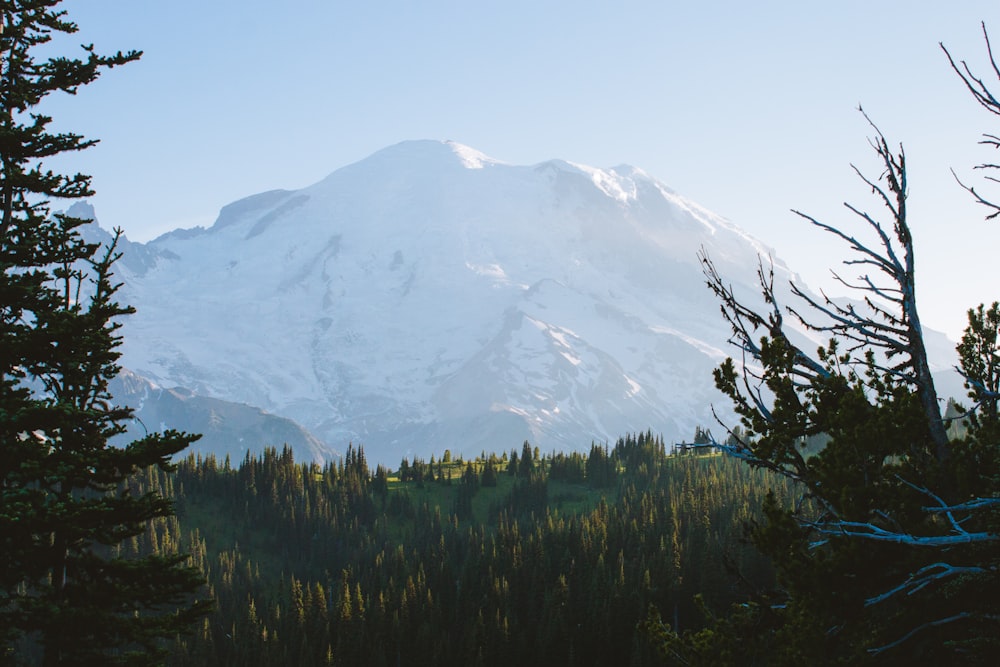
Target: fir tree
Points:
(67, 595)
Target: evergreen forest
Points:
(511, 559)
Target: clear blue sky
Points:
(746, 107)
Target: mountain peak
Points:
(470, 157)
(430, 296)
(82, 210)
(430, 152)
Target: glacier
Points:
(430, 297)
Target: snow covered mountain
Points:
(430, 297)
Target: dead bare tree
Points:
(982, 94)
(926, 507)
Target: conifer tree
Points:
(67, 596)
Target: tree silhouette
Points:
(68, 593)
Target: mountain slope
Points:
(430, 297)
(226, 428)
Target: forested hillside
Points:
(515, 559)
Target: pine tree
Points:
(64, 500)
(527, 460)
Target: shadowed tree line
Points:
(341, 565)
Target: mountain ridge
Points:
(430, 297)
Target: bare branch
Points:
(979, 198)
(942, 506)
(886, 265)
(979, 91)
(919, 628)
(982, 94)
(968, 506)
(745, 321)
(870, 531)
(924, 577)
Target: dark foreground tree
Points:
(68, 594)
(895, 558)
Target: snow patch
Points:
(494, 271)
(610, 183)
(710, 351)
(470, 157)
(576, 361)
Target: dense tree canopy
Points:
(314, 565)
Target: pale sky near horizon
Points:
(747, 108)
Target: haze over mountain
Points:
(226, 428)
(430, 297)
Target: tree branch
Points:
(870, 531)
(924, 577)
